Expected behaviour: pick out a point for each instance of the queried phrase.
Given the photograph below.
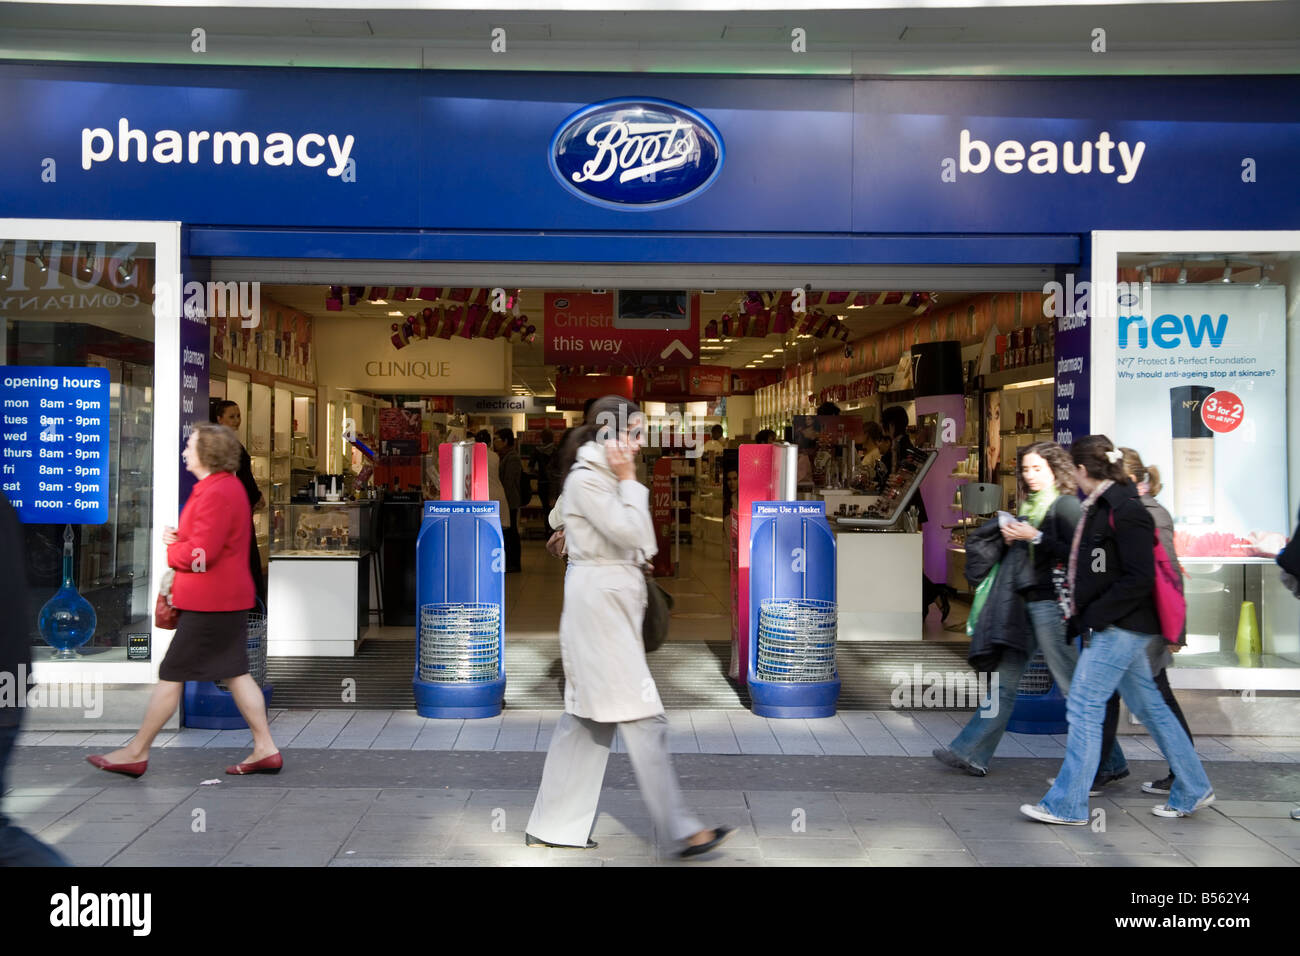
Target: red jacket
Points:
(210, 555)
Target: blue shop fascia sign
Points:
(646, 154)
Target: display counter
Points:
(878, 585)
(318, 594)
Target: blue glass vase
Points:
(67, 621)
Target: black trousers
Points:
(1111, 723)
(514, 548)
(255, 566)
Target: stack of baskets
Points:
(796, 641)
(257, 645)
(1037, 679)
(459, 643)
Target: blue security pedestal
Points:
(207, 707)
(460, 611)
(1040, 706)
(792, 610)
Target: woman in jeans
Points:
(608, 687)
(1047, 489)
(213, 590)
(1161, 654)
(1109, 583)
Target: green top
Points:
(1036, 507)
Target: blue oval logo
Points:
(636, 154)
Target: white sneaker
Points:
(1043, 815)
(1092, 791)
(1165, 810)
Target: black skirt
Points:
(208, 646)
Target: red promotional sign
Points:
(685, 384)
(709, 380)
(572, 391)
(661, 513)
(1222, 412)
(579, 328)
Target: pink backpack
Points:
(1171, 605)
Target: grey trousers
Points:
(566, 803)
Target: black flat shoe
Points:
(532, 841)
(720, 834)
(950, 759)
(1102, 779)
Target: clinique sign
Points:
(413, 369)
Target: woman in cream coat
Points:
(609, 536)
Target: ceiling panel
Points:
(532, 374)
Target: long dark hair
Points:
(1090, 451)
(217, 407)
(1057, 458)
(612, 410)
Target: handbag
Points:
(658, 610)
(981, 595)
(165, 615)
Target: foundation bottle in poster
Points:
(1193, 455)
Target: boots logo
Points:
(636, 154)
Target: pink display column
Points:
(939, 488)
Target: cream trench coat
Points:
(607, 530)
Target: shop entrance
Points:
(407, 367)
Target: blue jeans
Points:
(17, 846)
(1117, 659)
(982, 733)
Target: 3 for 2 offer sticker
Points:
(1222, 412)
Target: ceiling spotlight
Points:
(89, 266)
(1227, 272)
(1182, 276)
(4, 268)
(40, 259)
(126, 270)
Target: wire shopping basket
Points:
(460, 643)
(796, 640)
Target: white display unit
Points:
(312, 607)
(878, 586)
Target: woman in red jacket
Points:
(213, 590)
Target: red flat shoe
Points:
(271, 764)
(129, 769)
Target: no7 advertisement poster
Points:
(1200, 394)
